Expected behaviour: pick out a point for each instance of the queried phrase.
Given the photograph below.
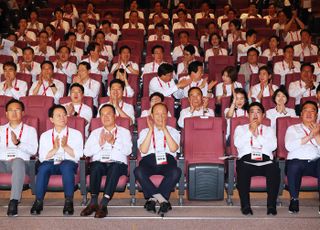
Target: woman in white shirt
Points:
(280, 98)
(228, 84)
(273, 49)
(265, 87)
(216, 49)
(235, 33)
(81, 33)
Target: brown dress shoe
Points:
(91, 208)
(101, 212)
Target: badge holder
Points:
(105, 155)
(11, 154)
(161, 158)
(256, 154)
(58, 158)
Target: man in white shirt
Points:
(305, 48)
(252, 13)
(63, 65)
(109, 36)
(59, 23)
(188, 57)
(182, 21)
(124, 61)
(46, 85)
(76, 107)
(33, 21)
(303, 142)
(251, 38)
(158, 9)
(225, 26)
(98, 65)
(13, 51)
(11, 86)
(255, 143)
(23, 33)
(109, 147)
(105, 50)
(158, 145)
(157, 54)
(183, 42)
(43, 49)
(205, 12)
(133, 22)
(287, 65)
(91, 87)
(123, 109)
(226, 9)
(60, 149)
(159, 34)
(198, 106)
(306, 86)
(18, 142)
(134, 7)
(164, 83)
(27, 65)
(71, 39)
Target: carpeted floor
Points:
(192, 215)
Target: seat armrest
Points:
(132, 178)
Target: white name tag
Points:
(11, 153)
(256, 154)
(58, 158)
(105, 155)
(161, 158)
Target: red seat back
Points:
(268, 103)
(261, 59)
(254, 79)
(166, 46)
(146, 81)
(254, 23)
(218, 63)
(128, 100)
(311, 59)
(3, 102)
(304, 99)
(169, 101)
(29, 120)
(291, 78)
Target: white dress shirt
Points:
(237, 113)
(19, 89)
(185, 113)
(68, 68)
(139, 26)
(297, 90)
(49, 52)
(83, 38)
(37, 26)
(159, 139)
(94, 67)
(296, 150)
(35, 70)
(164, 15)
(47, 91)
(194, 84)
(112, 38)
(243, 49)
(232, 38)
(316, 70)
(14, 55)
(28, 141)
(304, 52)
(65, 25)
(273, 114)
(126, 108)
(166, 88)
(186, 25)
(201, 15)
(282, 68)
(292, 36)
(219, 21)
(119, 151)
(154, 37)
(78, 53)
(140, 14)
(125, 66)
(219, 88)
(74, 141)
(151, 67)
(255, 90)
(92, 89)
(209, 53)
(277, 27)
(267, 53)
(266, 140)
(178, 52)
(30, 34)
(107, 52)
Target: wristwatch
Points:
(18, 142)
(52, 85)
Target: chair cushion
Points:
(5, 179)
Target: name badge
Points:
(105, 155)
(161, 158)
(58, 158)
(11, 154)
(256, 154)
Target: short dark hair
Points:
(194, 88)
(109, 106)
(63, 46)
(10, 63)
(307, 64)
(256, 104)
(97, 33)
(276, 37)
(210, 23)
(123, 48)
(47, 62)
(193, 66)
(27, 48)
(14, 101)
(80, 21)
(318, 88)
(106, 22)
(236, 23)
(232, 72)
(182, 10)
(159, 25)
(305, 31)
(53, 108)
(287, 47)
(244, 93)
(157, 47)
(68, 35)
(251, 32)
(310, 103)
(190, 48)
(164, 69)
(160, 103)
(58, 9)
(266, 68)
(183, 32)
(157, 94)
(281, 89)
(43, 32)
(117, 81)
(252, 49)
(78, 86)
(86, 64)
(92, 46)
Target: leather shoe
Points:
(101, 212)
(68, 207)
(164, 208)
(272, 210)
(91, 208)
(150, 206)
(37, 207)
(294, 206)
(13, 208)
(247, 211)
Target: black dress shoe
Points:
(164, 208)
(294, 206)
(12, 208)
(68, 207)
(150, 206)
(91, 208)
(247, 210)
(272, 210)
(37, 207)
(101, 212)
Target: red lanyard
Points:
(220, 52)
(32, 64)
(45, 89)
(7, 135)
(80, 109)
(161, 83)
(251, 139)
(318, 64)
(288, 67)
(154, 141)
(15, 85)
(292, 38)
(250, 69)
(153, 65)
(53, 136)
(307, 134)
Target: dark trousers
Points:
(148, 167)
(113, 171)
(298, 168)
(66, 168)
(246, 171)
